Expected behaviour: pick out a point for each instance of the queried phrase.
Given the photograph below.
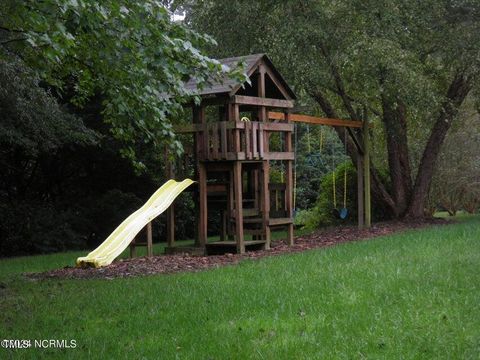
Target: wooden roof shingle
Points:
(227, 85)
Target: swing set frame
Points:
(359, 134)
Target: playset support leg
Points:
(289, 184)
(133, 250)
(203, 219)
(171, 225)
(237, 174)
(149, 240)
(360, 192)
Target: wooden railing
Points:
(228, 140)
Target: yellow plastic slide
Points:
(123, 235)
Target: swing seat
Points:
(336, 213)
(340, 213)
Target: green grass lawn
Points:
(413, 295)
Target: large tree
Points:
(130, 53)
(409, 64)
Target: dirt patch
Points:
(167, 264)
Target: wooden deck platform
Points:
(223, 247)
(190, 250)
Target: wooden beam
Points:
(212, 100)
(277, 83)
(278, 127)
(257, 101)
(315, 120)
(279, 156)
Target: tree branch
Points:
(339, 83)
(456, 94)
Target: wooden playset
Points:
(237, 132)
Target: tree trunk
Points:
(394, 119)
(457, 92)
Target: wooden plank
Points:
(261, 139)
(248, 152)
(236, 140)
(279, 156)
(257, 101)
(278, 127)
(197, 127)
(280, 221)
(223, 139)
(315, 120)
(216, 188)
(236, 155)
(233, 243)
(254, 139)
(215, 140)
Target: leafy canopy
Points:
(129, 52)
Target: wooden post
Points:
(237, 183)
(230, 205)
(360, 192)
(170, 210)
(366, 165)
(265, 200)
(149, 240)
(202, 145)
(171, 225)
(202, 194)
(265, 172)
(133, 250)
(223, 233)
(262, 111)
(289, 184)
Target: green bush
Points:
(322, 213)
(28, 228)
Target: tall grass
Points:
(413, 295)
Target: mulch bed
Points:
(167, 264)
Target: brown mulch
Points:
(167, 264)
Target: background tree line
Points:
(89, 92)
